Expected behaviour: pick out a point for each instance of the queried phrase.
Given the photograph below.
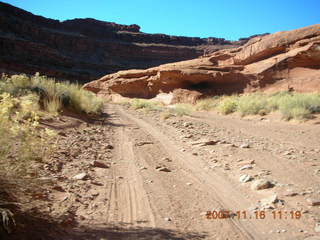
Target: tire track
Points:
(196, 173)
(129, 205)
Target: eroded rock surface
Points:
(287, 60)
(85, 49)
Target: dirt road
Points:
(163, 176)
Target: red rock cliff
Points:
(280, 61)
(85, 49)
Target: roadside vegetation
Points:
(291, 106)
(25, 144)
(53, 96)
(147, 106)
(24, 101)
(298, 106)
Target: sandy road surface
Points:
(147, 178)
(142, 196)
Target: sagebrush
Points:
(53, 95)
(299, 106)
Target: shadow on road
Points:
(40, 229)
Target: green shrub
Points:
(53, 106)
(298, 113)
(21, 140)
(228, 105)
(291, 105)
(139, 103)
(299, 106)
(147, 105)
(53, 95)
(253, 104)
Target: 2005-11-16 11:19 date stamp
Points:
(279, 214)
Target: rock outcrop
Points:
(280, 61)
(85, 49)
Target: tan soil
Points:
(132, 199)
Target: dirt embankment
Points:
(137, 177)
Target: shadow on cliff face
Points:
(233, 84)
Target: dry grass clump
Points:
(147, 105)
(227, 105)
(182, 109)
(299, 106)
(22, 141)
(252, 104)
(24, 144)
(207, 104)
(53, 96)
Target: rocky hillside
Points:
(86, 49)
(287, 60)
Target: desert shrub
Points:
(28, 107)
(207, 104)
(84, 101)
(291, 105)
(228, 105)
(298, 113)
(182, 109)
(23, 146)
(253, 104)
(139, 103)
(299, 106)
(53, 96)
(21, 139)
(147, 105)
(52, 106)
(49, 86)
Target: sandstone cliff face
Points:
(280, 61)
(85, 49)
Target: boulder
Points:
(185, 96)
(261, 184)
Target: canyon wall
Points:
(282, 61)
(86, 49)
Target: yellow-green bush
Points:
(299, 106)
(291, 105)
(21, 139)
(53, 95)
(145, 104)
(228, 105)
(252, 104)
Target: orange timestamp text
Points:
(280, 214)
